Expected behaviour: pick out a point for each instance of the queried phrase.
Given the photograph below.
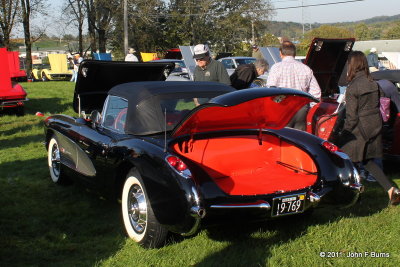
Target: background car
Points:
(178, 73)
(37, 70)
(12, 95)
(177, 153)
(231, 63)
(57, 70)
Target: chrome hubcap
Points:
(55, 160)
(137, 208)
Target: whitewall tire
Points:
(54, 163)
(140, 223)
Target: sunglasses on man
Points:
(200, 59)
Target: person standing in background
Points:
(130, 56)
(290, 73)
(361, 137)
(373, 61)
(208, 69)
(245, 74)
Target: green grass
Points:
(42, 224)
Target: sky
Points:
(345, 12)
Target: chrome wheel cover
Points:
(55, 160)
(137, 208)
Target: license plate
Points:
(288, 205)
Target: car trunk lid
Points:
(268, 108)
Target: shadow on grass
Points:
(249, 246)
(21, 141)
(24, 128)
(43, 224)
(46, 105)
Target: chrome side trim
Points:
(264, 205)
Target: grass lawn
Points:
(42, 224)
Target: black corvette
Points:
(176, 153)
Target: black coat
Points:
(243, 76)
(363, 119)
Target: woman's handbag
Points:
(384, 107)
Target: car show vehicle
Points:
(57, 70)
(327, 58)
(174, 162)
(12, 95)
(231, 63)
(178, 73)
(37, 70)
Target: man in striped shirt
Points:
(290, 73)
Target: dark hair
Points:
(357, 62)
(288, 49)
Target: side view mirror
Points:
(95, 118)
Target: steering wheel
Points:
(119, 122)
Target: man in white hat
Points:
(208, 69)
(130, 56)
(373, 62)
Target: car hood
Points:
(258, 108)
(327, 58)
(97, 77)
(58, 63)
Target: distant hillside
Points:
(295, 30)
(373, 20)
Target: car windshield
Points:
(242, 61)
(179, 66)
(176, 109)
(41, 66)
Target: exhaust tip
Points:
(199, 212)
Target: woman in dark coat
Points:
(363, 123)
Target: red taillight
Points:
(331, 147)
(177, 163)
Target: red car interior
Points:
(270, 164)
(322, 118)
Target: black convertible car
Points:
(176, 153)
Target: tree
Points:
(8, 12)
(77, 11)
(269, 40)
(393, 32)
(224, 24)
(362, 32)
(100, 14)
(29, 8)
(146, 23)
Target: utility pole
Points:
(302, 15)
(125, 27)
(253, 38)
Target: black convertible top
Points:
(146, 99)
